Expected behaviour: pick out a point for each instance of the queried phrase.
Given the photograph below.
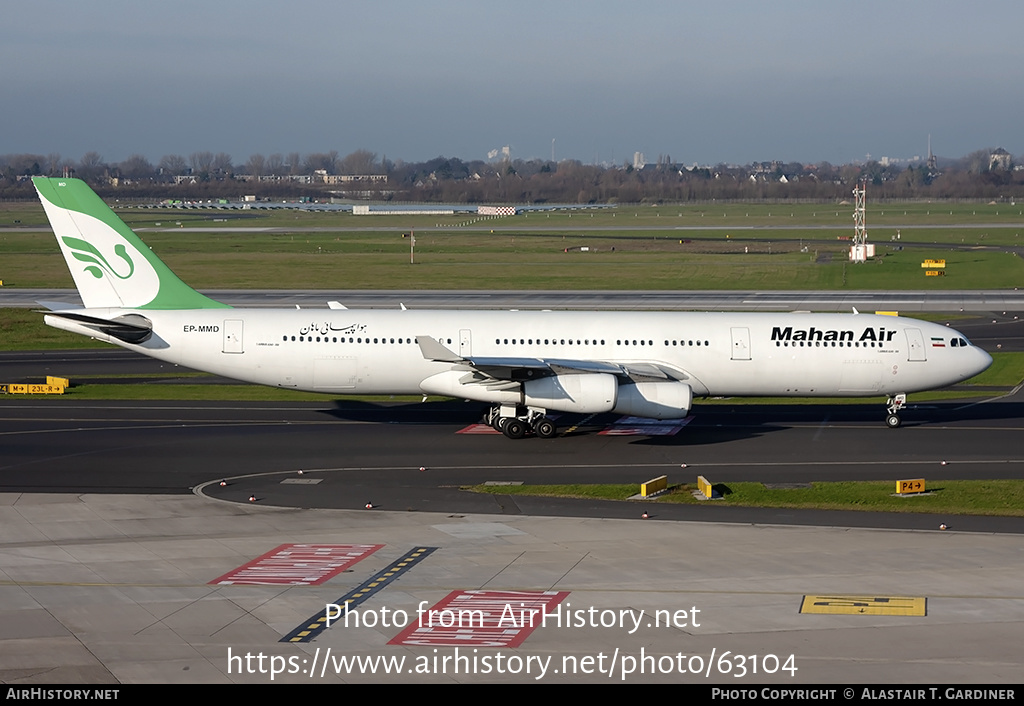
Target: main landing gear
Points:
(896, 403)
(515, 422)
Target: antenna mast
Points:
(860, 251)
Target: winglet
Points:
(433, 350)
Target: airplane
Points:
(524, 364)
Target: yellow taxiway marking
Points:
(864, 605)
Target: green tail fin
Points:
(111, 266)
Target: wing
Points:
(515, 370)
(642, 388)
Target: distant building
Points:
(1000, 160)
(321, 176)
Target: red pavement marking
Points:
(638, 426)
(297, 565)
(478, 429)
(488, 618)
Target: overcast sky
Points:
(705, 81)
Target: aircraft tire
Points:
(892, 421)
(514, 429)
(545, 428)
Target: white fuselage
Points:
(372, 351)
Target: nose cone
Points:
(981, 361)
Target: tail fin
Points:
(111, 266)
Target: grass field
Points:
(380, 260)
(24, 330)
(733, 246)
(953, 497)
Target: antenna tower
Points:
(860, 251)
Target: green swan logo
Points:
(86, 252)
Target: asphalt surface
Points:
(362, 452)
(905, 301)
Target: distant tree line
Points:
(985, 174)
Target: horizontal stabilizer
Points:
(130, 328)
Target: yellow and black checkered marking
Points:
(318, 623)
(865, 605)
(578, 424)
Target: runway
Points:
(361, 452)
(905, 301)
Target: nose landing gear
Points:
(896, 403)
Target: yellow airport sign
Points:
(31, 389)
(865, 605)
(933, 263)
(906, 487)
(935, 273)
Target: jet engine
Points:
(655, 400)
(590, 393)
